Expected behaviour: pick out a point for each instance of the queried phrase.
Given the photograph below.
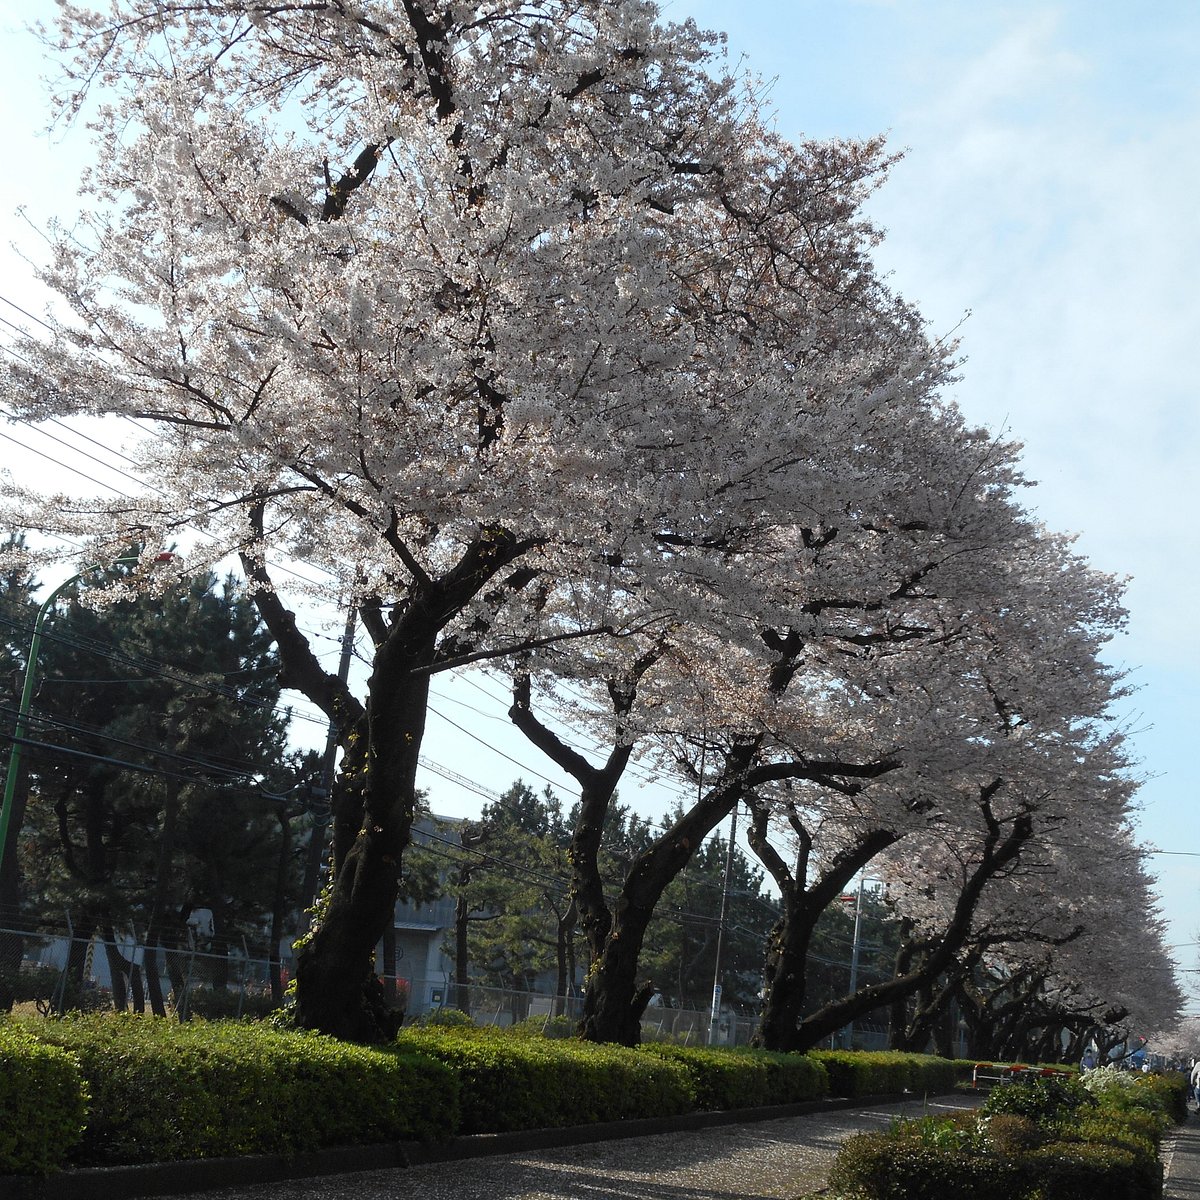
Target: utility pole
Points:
(716, 993)
(854, 951)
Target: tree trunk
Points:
(786, 967)
(337, 992)
(462, 958)
(118, 969)
(278, 907)
(158, 903)
(784, 978)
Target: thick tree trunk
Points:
(615, 1000)
(786, 967)
(336, 989)
(784, 979)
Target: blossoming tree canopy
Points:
(520, 323)
(443, 300)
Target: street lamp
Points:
(26, 701)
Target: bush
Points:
(446, 1018)
(721, 1080)
(512, 1083)
(43, 1103)
(551, 1027)
(874, 1073)
(217, 1004)
(1085, 1171)
(1047, 1100)
(922, 1163)
(162, 1091)
(1128, 1091)
(791, 1078)
(1010, 1134)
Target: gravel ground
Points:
(762, 1161)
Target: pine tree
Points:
(155, 773)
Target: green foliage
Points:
(1047, 1100)
(217, 1004)
(510, 887)
(43, 1103)
(162, 1091)
(190, 675)
(1129, 1091)
(1043, 1138)
(721, 1080)
(509, 1083)
(791, 1078)
(1011, 1134)
(883, 1072)
(1087, 1170)
(551, 1027)
(919, 1163)
(446, 1018)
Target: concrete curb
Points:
(199, 1175)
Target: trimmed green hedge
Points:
(509, 1083)
(1044, 1138)
(891, 1166)
(162, 1091)
(43, 1103)
(883, 1072)
(746, 1078)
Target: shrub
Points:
(215, 1004)
(162, 1091)
(791, 1078)
(873, 1073)
(512, 1083)
(1010, 1134)
(551, 1027)
(1127, 1091)
(446, 1018)
(722, 1080)
(912, 1165)
(43, 1103)
(1047, 1100)
(1085, 1171)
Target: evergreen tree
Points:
(156, 771)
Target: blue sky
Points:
(1048, 195)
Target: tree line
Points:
(526, 333)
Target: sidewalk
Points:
(772, 1159)
(1181, 1157)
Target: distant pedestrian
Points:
(1089, 1061)
(1195, 1082)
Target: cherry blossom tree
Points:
(452, 303)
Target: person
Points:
(1195, 1082)
(1089, 1061)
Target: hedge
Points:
(1045, 1138)
(43, 1103)
(883, 1072)
(162, 1091)
(745, 1078)
(509, 1083)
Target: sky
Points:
(1044, 211)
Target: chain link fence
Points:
(60, 972)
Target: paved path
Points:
(1181, 1154)
(770, 1160)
